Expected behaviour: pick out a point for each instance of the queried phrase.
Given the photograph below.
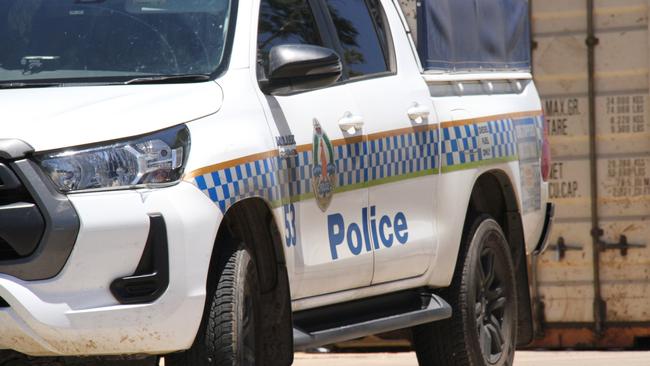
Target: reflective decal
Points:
(392, 156)
(290, 225)
(323, 169)
(374, 232)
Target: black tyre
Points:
(230, 333)
(483, 328)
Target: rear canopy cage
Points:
(471, 35)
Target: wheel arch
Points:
(252, 223)
(494, 194)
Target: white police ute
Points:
(223, 182)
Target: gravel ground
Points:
(522, 359)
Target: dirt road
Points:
(522, 359)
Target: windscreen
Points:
(467, 35)
(90, 40)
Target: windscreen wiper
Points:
(23, 85)
(169, 79)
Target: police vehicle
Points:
(222, 182)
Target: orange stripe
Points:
(348, 141)
(401, 131)
(230, 164)
(339, 142)
(356, 139)
(303, 148)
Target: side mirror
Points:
(294, 67)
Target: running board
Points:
(432, 308)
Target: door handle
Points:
(351, 123)
(418, 113)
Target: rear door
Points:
(325, 197)
(386, 84)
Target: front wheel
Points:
(230, 333)
(483, 328)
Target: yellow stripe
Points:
(375, 136)
(230, 164)
(401, 131)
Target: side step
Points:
(344, 322)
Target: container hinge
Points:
(623, 245)
(561, 248)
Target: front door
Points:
(327, 200)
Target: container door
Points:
(595, 292)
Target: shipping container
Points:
(592, 289)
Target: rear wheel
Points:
(483, 328)
(230, 333)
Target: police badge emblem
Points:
(324, 170)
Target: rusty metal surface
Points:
(584, 337)
(595, 91)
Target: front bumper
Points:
(75, 312)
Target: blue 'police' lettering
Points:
(354, 235)
(383, 224)
(370, 234)
(336, 233)
(401, 228)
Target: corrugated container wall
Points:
(571, 315)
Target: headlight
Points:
(148, 161)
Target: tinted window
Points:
(285, 22)
(382, 28)
(357, 31)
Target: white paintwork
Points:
(439, 77)
(315, 270)
(385, 103)
(65, 117)
(75, 314)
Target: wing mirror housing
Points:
(294, 68)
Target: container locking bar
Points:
(623, 245)
(562, 247)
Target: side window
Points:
(285, 22)
(362, 34)
(382, 28)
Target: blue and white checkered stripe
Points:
(503, 138)
(402, 154)
(256, 178)
(362, 162)
(478, 142)
(296, 173)
(351, 165)
(459, 145)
